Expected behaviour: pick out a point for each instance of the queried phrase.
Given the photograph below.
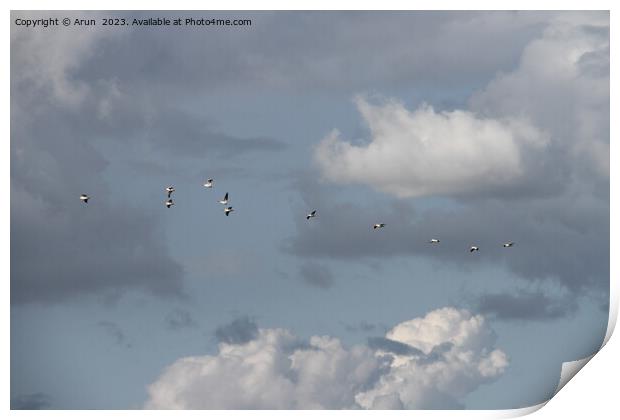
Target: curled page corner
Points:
(520, 412)
(613, 313)
(570, 369)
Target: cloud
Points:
(115, 331)
(376, 44)
(562, 85)
(425, 152)
(524, 305)
(316, 275)
(187, 135)
(179, 319)
(61, 249)
(37, 401)
(530, 130)
(43, 62)
(556, 239)
(133, 116)
(543, 182)
(239, 331)
(458, 356)
(277, 370)
(362, 326)
(392, 346)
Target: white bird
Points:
(169, 190)
(378, 225)
(311, 215)
(474, 248)
(209, 183)
(434, 241)
(228, 210)
(508, 244)
(224, 200)
(169, 203)
(84, 198)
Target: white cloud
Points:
(458, 357)
(277, 370)
(273, 371)
(519, 130)
(425, 152)
(562, 84)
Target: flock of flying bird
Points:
(228, 209)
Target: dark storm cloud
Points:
(115, 332)
(316, 275)
(61, 247)
(564, 237)
(179, 319)
(140, 118)
(350, 50)
(525, 306)
(239, 331)
(61, 118)
(185, 135)
(37, 401)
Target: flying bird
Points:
(169, 203)
(311, 215)
(209, 183)
(228, 210)
(169, 190)
(378, 225)
(84, 198)
(508, 244)
(434, 241)
(474, 248)
(224, 200)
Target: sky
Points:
(476, 128)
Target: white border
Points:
(600, 380)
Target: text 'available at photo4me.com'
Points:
(133, 22)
